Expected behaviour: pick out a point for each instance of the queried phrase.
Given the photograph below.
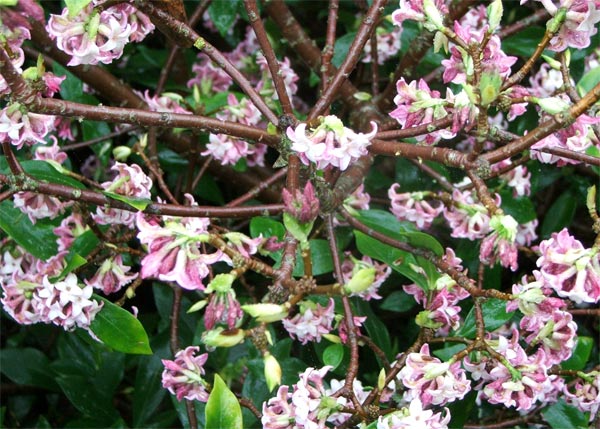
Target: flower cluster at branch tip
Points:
(90, 36)
(183, 377)
(174, 249)
(312, 321)
(330, 143)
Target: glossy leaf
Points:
(38, 239)
(388, 224)
(494, 316)
(523, 43)
(340, 50)
(588, 81)
(559, 215)
(333, 355)
(398, 301)
(374, 326)
(320, 254)
(44, 171)
(138, 203)
(27, 366)
(223, 14)
(87, 398)
(561, 415)
(267, 227)
(223, 410)
(119, 329)
(521, 208)
(581, 354)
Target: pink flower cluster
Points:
(112, 275)
(432, 381)
(388, 45)
(183, 377)
(228, 149)
(174, 249)
(352, 266)
(414, 416)
(91, 36)
(330, 143)
(414, 207)
(307, 406)
(570, 269)
(130, 181)
(20, 127)
(311, 323)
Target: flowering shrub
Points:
(226, 214)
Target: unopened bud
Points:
(494, 12)
(121, 153)
(361, 280)
(552, 105)
(433, 15)
(272, 371)
(266, 312)
(221, 338)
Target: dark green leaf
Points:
(79, 249)
(560, 415)
(42, 170)
(223, 14)
(71, 88)
(374, 326)
(148, 392)
(87, 398)
(494, 316)
(559, 215)
(461, 410)
(267, 227)
(523, 43)
(342, 46)
(28, 367)
(399, 260)
(119, 329)
(320, 254)
(588, 81)
(387, 223)
(38, 239)
(521, 208)
(581, 354)
(333, 355)
(398, 301)
(447, 352)
(223, 410)
(138, 203)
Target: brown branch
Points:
(265, 45)
(342, 74)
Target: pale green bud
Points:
(218, 337)
(494, 12)
(505, 225)
(362, 96)
(272, 371)
(433, 15)
(221, 283)
(361, 280)
(552, 105)
(552, 62)
(489, 87)
(121, 153)
(198, 306)
(266, 312)
(425, 321)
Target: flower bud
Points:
(272, 371)
(361, 280)
(433, 15)
(121, 153)
(266, 312)
(506, 226)
(552, 105)
(221, 338)
(221, 283)
(494, 12)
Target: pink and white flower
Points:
(413, 207)
(311, 323)
(414, 417)
(183, 377)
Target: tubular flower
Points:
(413, 207)
(330, 143)
(112, 275)
(183, 376)
(311, 322)
(500, 244)
(570, 269)
(586, 394)
(173, 250)
(433, 381)
(414, 417)
(20, 127)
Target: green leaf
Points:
(71, 88)
(594, 151)
(341, 48)
(79, 249)
(223, 410)
(399, 260)
(38, 239)
(223, 14)
(588, 81)
(388, 224)
(448, 351)
(524, 42)
(27, 366)
(87, 398)
(374, 326)
(76, 6)
(148, 392)
(398, 301)
(267, 227)
(322, 261)
(521, 208)
(581, 354)
(138, 203)
(42, 170)
(561, 415)
(333, 355)
(559, 215)
(119, 329)
(494, 316)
